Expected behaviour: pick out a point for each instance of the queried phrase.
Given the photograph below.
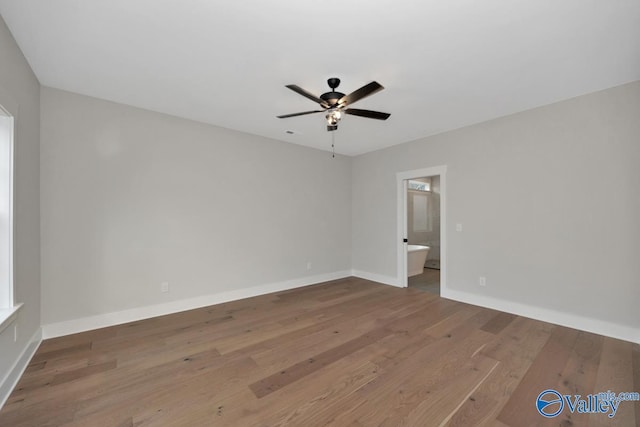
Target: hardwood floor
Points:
(346, 353)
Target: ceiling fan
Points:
(335, 104)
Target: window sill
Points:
(8, 315)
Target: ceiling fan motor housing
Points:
(332, 98)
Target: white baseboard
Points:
(575, 321)
(387, 280)
(10, 381)
(73, 326)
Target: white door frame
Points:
(402, 178)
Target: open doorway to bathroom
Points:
(423, 233)
(422, 229)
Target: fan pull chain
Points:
(333, 144)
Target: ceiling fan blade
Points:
(358, 94)
(299, 114)
(367, 113)
(306, 94)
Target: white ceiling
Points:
(444, 64)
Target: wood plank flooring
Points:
(345, 353)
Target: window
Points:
(419, 185)
(7, 308)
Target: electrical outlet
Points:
(482, 281)
(458, 227)
(309, 266)
(164, 287)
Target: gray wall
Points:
(548, 199)
(20, 93)
(133, 198)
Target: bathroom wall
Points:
(430, 237)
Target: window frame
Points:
(8, 306)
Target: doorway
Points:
(421, 229)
